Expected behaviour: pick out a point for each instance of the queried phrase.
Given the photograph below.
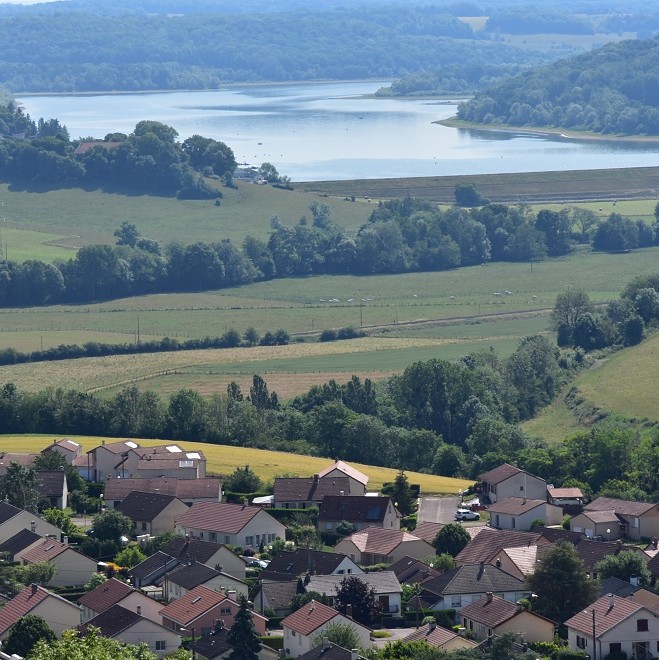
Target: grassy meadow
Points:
(222, 459)
(623, 383)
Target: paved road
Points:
(438, 509)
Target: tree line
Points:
(612, 90)
(400, 236)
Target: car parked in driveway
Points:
(466, 514)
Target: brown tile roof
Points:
(354, 508)
(289, 565)
(112, 621)
(67, 444)
(218, 517)
(379, 541)
(192, 605)
(309, 618)
(51, 483)
(653, 565)
(592, 552)
(145, 507)
(601, 516)
(81, 461)
(23, 539)
(117, 447)
(499, 474)
(47, 550)
(192, 549)
(516, 506)
(606, 616)
(22, 604)
(348, 470)
(309, 490)
(84, 147)
(472, 579)
(490, 610)
(624, 507)
(434, 635)
(565, 493)
(118, 489)
(162, 464)
(412, 571)
(491, 541)
(105, 595)
(428, 530)
(7, 458)
(524, 558)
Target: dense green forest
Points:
(613, 90)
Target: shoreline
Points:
(453, 122)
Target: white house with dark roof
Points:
(215, 555)
(102, 597)
(384, 584)
(152, 513)
(188, 491)
(304, 626)
(291, 564)
(509, 481)
(186, 577)
(59, 613)
(520, 512)
(359, 510)
(14, 520)
(69, 449)
(233, 524)
(300, 492)
(53, 488)
(600, 525)
(358, 480)
(618, 625)
(12, 549)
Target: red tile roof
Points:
(624, 507)
(84, 147)
(378, 541)
(348, 470)
(499, 474)
(118, 489)
(65, 443)
(428, 530)
(309, 618)
(609, 612)
(218, 517)
(105, 595)
(435, 636)
(192, 605)
(7, 458)
(23, 604)
(47, 550)
(601, 516)
(515, 506)
(117, 447)
(565, 493)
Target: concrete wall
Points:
(533, 628)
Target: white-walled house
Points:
(620, 625)
(358, 480)
(520, 512)
(14, 520)
(71, 567)
(152, 513)
(233, 524)
(509, 481)
(304, 626)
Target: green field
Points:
(223, 460)
(624, 383)
(48, 224)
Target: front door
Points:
(384, 604)
(641, 650)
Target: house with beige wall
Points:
(357, 480)
(215, 555)
(69, 449)
(59, 613)
(14, 520)
(304, 626)
(600, 525)
(109, 459)
(519, 513)
(439, 638)
(638, 519)
(186, 577)
(493, 615)
(375, 545)
(619, 625)
(152, 513)
(71, 567)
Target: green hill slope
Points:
(613, 90)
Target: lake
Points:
(325, 131)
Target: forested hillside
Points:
(614, 90)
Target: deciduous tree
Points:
(451, 539)
(25, 634)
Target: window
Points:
(212, 536)
(635, 523)
(496, 520)
(513, 522)
(582, 642)
(615, 647)
(225, 610)
(328, 525)
(456, 601)
(641, 625)
(249, 540)
(227, 539)
(161, 645)
(293, 633)
(144, 527)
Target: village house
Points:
(152, 513)
(491, 615)
(152, 570)
(215, 555)
(188, 491)
(12, 549)
(360, 511)
(358, 480)
(65, 447)
(186, 577)
(490, 541)
(105, 460)
(519, 562)
(233, 524)
(614, 625)
(71, 568)
(439, 638)
(412, 571)
(375, 545)
(7, 458)
(179, 464)
(59, 613)
(201, 609)
(565, 497)
(14, 520)
(301, 493)
(600, 525)
(288, 565)
(521, 512)
(509, 481)
(130, 627)
(638, 519)
(304, 626)
(330, 651)
(115, 592)
(276, 596)
(53, 489)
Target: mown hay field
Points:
(222, 459)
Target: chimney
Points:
(655, 542)
(488, 597)
(432, 625)
(139, 610)
(232, 593)
(349, 611)
(315, 479)
(34, 588)
(102, 442)
(610, 601)
(633, 579)
(65, 540)
(33, 525)
(498, 562)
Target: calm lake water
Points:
(315, 131)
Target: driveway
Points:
(396, 634)
(438, 509)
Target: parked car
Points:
(466, 514)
